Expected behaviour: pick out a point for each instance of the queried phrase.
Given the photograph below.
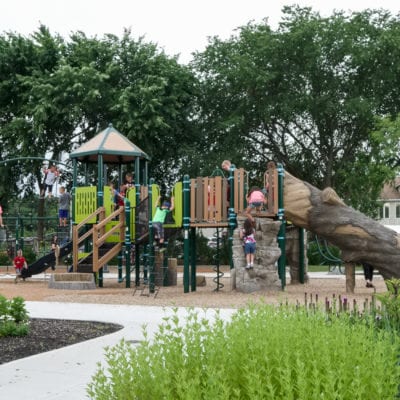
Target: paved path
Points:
(63, 374)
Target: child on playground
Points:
(128, 182)
(19, 263)
(121, 196)
(50, 177)
(159, 219)
(63, 206)
(56, 248)
(116, 196)
(226, 166)
(255, 200)
(249, 240)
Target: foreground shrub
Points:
(389, 313)
(263, 353)
(14, 318)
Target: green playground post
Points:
(100, 201)
(74, 185)
(301, 255)
(151, 238)
(137, 262)
(100, 182)
(282, 229)
(193, 258)
(137, 202)
(186, 225)
(232, 215)
(127, 243)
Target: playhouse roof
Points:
(112, 145)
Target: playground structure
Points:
(101, 233)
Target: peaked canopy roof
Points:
(112, 145)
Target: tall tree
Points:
(306, 95)
(56, 94)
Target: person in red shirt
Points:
(19, 264)
(1, 217)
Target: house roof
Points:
(112, 145)
(391, 190)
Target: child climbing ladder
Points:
(159, 219)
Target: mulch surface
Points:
(50, 334)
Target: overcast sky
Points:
(177, 26)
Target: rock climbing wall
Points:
(264, 275)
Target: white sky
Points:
(177, 26)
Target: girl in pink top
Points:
(255, 200)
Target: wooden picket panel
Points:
(199, 199)
(193, 199)
(240, 189)
(271, 176)
(208, 201)
(205, 189)
(217, 199)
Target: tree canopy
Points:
(318, 94)
(56, 94)
(307, 95)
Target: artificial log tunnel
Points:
(359, 237)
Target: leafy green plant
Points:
(4, 258)
(264, 352)
(14, 318)
(389, 314)
(18, 310)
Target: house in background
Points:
(389, 212)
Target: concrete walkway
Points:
(63, 374)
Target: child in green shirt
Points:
(159, 218)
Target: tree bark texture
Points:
(359, 237)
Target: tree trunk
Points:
(359, 237)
